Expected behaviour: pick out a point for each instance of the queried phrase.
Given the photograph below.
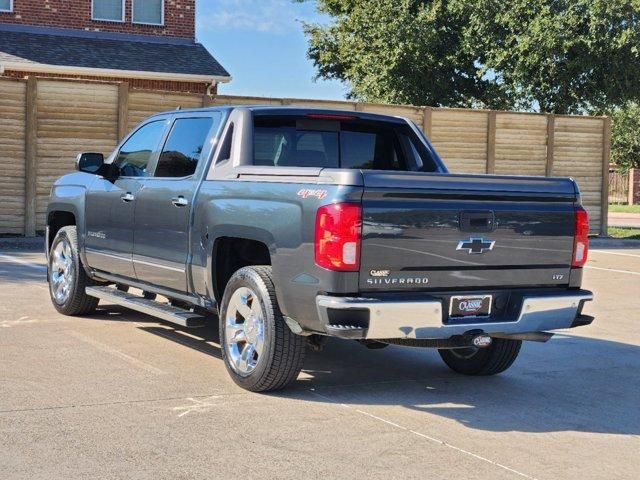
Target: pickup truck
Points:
(293, 225)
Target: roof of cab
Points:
(286, 110)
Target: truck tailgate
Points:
(433, 231)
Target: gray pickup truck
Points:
(293, 225)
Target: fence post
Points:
(31, 154)
(606, 154)
(491, 143)
(551, 140)
(207, 100)
(123, 109)
(634, 186)
(427, 121)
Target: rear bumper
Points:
(371, 318)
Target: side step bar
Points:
(164, 311)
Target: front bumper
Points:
(377, 319)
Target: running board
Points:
(164, 311)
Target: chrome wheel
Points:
(244, 331)
(61, 271)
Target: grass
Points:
(624, 232)
(625, 208)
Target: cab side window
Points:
(183, 148)
(134, 156)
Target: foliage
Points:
(614, 208)
(562, 56)
(397, 51)
(624, 232)
(625, 136)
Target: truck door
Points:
(163, 209)
(110, 204)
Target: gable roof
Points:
(47, 49)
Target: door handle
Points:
(128, 197)
(180, 201)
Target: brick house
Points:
(148, 43)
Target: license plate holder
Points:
(461, 306)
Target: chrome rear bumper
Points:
(391, 319)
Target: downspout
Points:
(211, 86)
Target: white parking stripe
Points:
(613, 270)
(614, 253)
(116, 353)
(426, 437)
(19, 261)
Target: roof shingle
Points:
(91, 50)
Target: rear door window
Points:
(184, 147)
(355, 144)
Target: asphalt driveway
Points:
(121, 395)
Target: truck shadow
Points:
(204, 340)
(13, 272)
(568, 384)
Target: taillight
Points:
(581, 238)
(337, 239)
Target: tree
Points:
(625, 140)
(561, 56)
(397, 51)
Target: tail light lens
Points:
(337, 239)
(581, 239)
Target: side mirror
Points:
(89, 162)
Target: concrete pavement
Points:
(121, 395)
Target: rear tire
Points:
(67, 277)
(260, 352)
(492, 360)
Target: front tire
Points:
(491, 360)
(260, 352)
(67, 277)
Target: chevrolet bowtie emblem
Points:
(476, 245)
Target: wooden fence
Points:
(44, 123)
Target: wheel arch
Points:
(235, 248)
(61, 215)
(58, 218)
(67, 200)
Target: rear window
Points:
(355, 144)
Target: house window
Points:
(107, 10)
(6, 5)
(148, 11)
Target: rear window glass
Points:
(355, 144)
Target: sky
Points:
(262, 45)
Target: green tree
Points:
(562, 56)
(625, 137)
(397, 51)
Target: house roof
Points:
(42, 49)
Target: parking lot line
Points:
(117, 353)
(19, 261)
(614, 253)
(426, 437)
(613, 270)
